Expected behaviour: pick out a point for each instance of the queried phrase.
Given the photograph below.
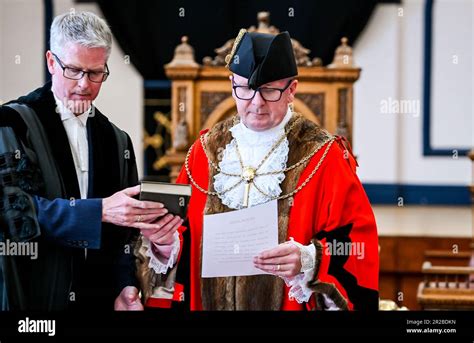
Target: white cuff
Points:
(298, 284)
(155, 263)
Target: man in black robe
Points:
(68, 177)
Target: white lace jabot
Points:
(253, 147)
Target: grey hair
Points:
(84, 28)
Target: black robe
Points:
(62, 277)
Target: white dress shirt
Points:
(76, 131)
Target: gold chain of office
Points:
(249, 174)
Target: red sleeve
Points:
(346, 241)
(196, 148)
(184, 179)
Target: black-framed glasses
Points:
(267, 93)
(77, 74)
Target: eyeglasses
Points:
(77, 74)
(267, 93)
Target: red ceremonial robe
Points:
(331, 211)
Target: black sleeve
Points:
(20, 178)
(10, 118)
(125, 267)
(132, 165)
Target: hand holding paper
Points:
(231, 240)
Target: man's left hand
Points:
(164, 234)
(128, 300)
(284, 260)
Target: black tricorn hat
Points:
(262, 58)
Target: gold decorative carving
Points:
(180, 139)
(315, 102)
(209, 101)
(342, 124)
(156, 140)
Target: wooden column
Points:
(182, 70)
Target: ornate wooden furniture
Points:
(449, 284)
(201, 93)
(401, 262)
(446, 288)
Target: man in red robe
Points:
(328, 252)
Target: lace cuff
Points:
(159, 266)
(298, 284)
(308, 255)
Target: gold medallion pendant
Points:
(248, 174)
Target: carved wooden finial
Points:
(263, 19)
(343, 56)
(183, 55)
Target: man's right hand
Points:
(123, 210)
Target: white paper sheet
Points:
(232, 239)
